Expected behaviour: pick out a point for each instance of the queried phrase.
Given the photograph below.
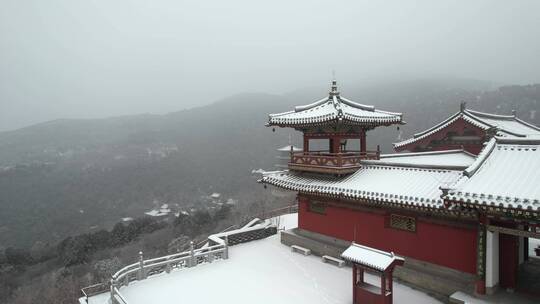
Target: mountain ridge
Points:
(71, 176)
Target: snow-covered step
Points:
(339, 262)
(302, 250)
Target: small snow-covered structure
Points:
(381, 263)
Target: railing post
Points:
(142, 275)
(226, 250)
(192, 261)
(113, 299)
(168, 267)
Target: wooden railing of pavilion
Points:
(325, 162)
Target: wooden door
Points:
(508, 260)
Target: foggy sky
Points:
(83, 59)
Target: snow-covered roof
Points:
(413, 186)
(371, 257)
(505, 126)
(505, 174)
(334, 108)
(449, 159)
(288, 149)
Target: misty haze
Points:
(331, 137)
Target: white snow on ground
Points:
(97, 299)
(160, 212)
(263, 271)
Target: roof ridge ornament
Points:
(462, 106)
(334, 91)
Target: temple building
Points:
(468, 129)
(460, 221)
(338, 122)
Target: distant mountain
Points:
(69, 176)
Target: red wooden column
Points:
(335, 144)
(363, 141)
(508, 260)
(306, 143)
(390, 282)
(389, 288)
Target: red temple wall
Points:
(459, 127)
(444, 245)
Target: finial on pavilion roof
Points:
(334, 90)
(462, 106)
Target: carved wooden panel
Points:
(401, 222)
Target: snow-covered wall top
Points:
(450, 159)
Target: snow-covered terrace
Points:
(263, 271)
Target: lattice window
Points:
(317, 207)
(401, 222)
